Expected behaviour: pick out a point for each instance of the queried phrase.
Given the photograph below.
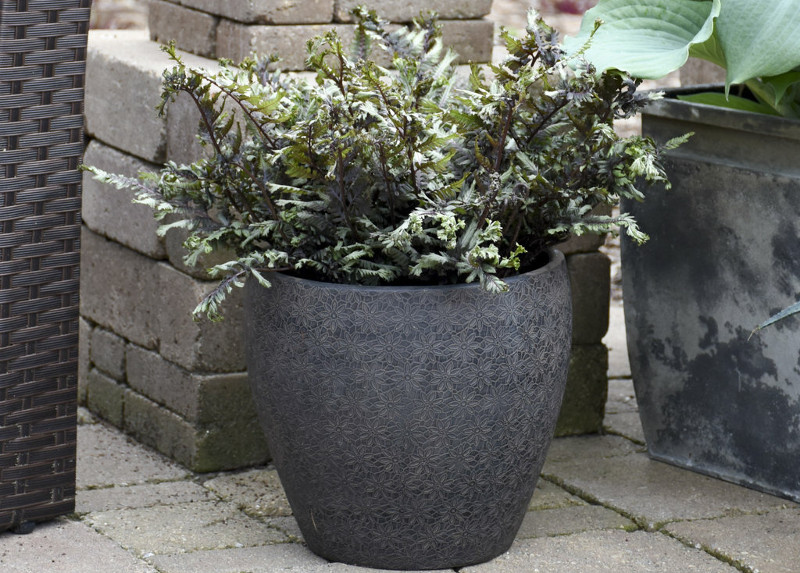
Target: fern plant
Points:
(372, 175)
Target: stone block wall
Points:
(699, 72)
(173, 383)
(235, 28)
(583, 409)
(178, 385)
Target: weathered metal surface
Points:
(724, 255)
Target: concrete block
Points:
(586, 243)
(225, 433)
(236, 443)
(157, 427)
(123, 79)
(110, 211)
(407, 11)
(108, 353)
(173, 242)
(192, 30)
(267, 11)
(225, 398)
(123, 85)
(590, 277)
(105, 397)
(84, 361)
(183, 120)
(151, 303)
(237, 41)
(162, 381)
(583, 408)
(232, 443)
(198, 345)
(119, 289)
(201, 398)
(471, 39)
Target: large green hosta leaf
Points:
(781, 93)
(756, 41)
(759, 37)
(646, 38)
(650, 38)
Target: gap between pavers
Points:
(767, 543)
(622, 412)
(107, 458)
(184, 527)
(549, 496)
(570, 520)
(603, 551)
(258, 492)
(69, 546)
(140, 496)
(649, 492)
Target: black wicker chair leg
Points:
(42, 61)
(24, 528)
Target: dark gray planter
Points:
(724, 255)
(409, 424)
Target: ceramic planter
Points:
(724, 255)
(409, 424)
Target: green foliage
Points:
(757, 43)
(372, 175)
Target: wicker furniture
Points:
(42, 56)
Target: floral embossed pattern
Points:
(409, 424)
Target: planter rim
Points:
(671, 107)
(556, 258)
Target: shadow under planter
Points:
(409, 424)
(724, 255)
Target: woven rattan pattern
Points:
(42, 62)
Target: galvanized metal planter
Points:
(724, 255)
(409, 424)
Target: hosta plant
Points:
(398, 175)
(758, 44)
